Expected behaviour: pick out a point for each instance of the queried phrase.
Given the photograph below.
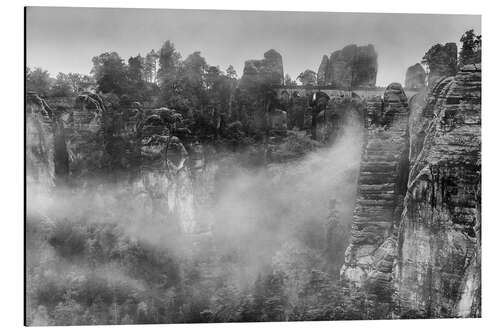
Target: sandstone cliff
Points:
(90, 142)
(415, 239)
(415, 77)
(40, 168)
(264, 71)
(381, 186)
(437, 270)
(352, 67)
(322, 71)
(255, 87)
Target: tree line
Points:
(162, 76)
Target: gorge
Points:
(335, 201)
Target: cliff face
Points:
(40, 168)
(352, 67)
(322, 70)
(258, 76)
(438, 267)
(268, 70)
(415, 77)
(419, 257)
(90, 142)
(381, 186)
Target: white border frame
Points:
(12, 148)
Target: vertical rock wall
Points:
(263, 71)
(350, 68)
(369, 257)
(40, 148)
(96, 146)
(415, 77)
(255, 88)
(438, 265)
(415, 249)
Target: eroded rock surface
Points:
(415, 248)
(40, 148)
(268, 70)
(381, 186)
(350, 68)
(322, 71)
(438, 266)
(415, 77)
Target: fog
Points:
(254, 218)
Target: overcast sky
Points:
(66, 39)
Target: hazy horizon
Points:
(64, 39)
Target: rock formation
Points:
(323, 68)
(268, 70)
(39, 152)
(381, 187)
(442, 61)
(373, 111)
(278, 120)
(438, 266)
(415, 240)
(350, 68)
(46, 149)
(415, 77)
(255, 87)
(93, 141)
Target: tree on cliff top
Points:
(440, 60)
(137, 86)
(169, 61)
(38, 80)
(151, 66)
(109, 72)
(62, 86)
(80, 82)
(135, 69)
(231, 73)
(189, 81)
(470, 52)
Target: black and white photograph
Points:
(228, 166)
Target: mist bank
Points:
(231, 225)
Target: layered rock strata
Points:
(40, 148)
(350, 68)
(438, 264)
(95, 144)
(268, 70)
(415, 249)
(381, 187)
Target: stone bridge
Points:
(332, 91)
